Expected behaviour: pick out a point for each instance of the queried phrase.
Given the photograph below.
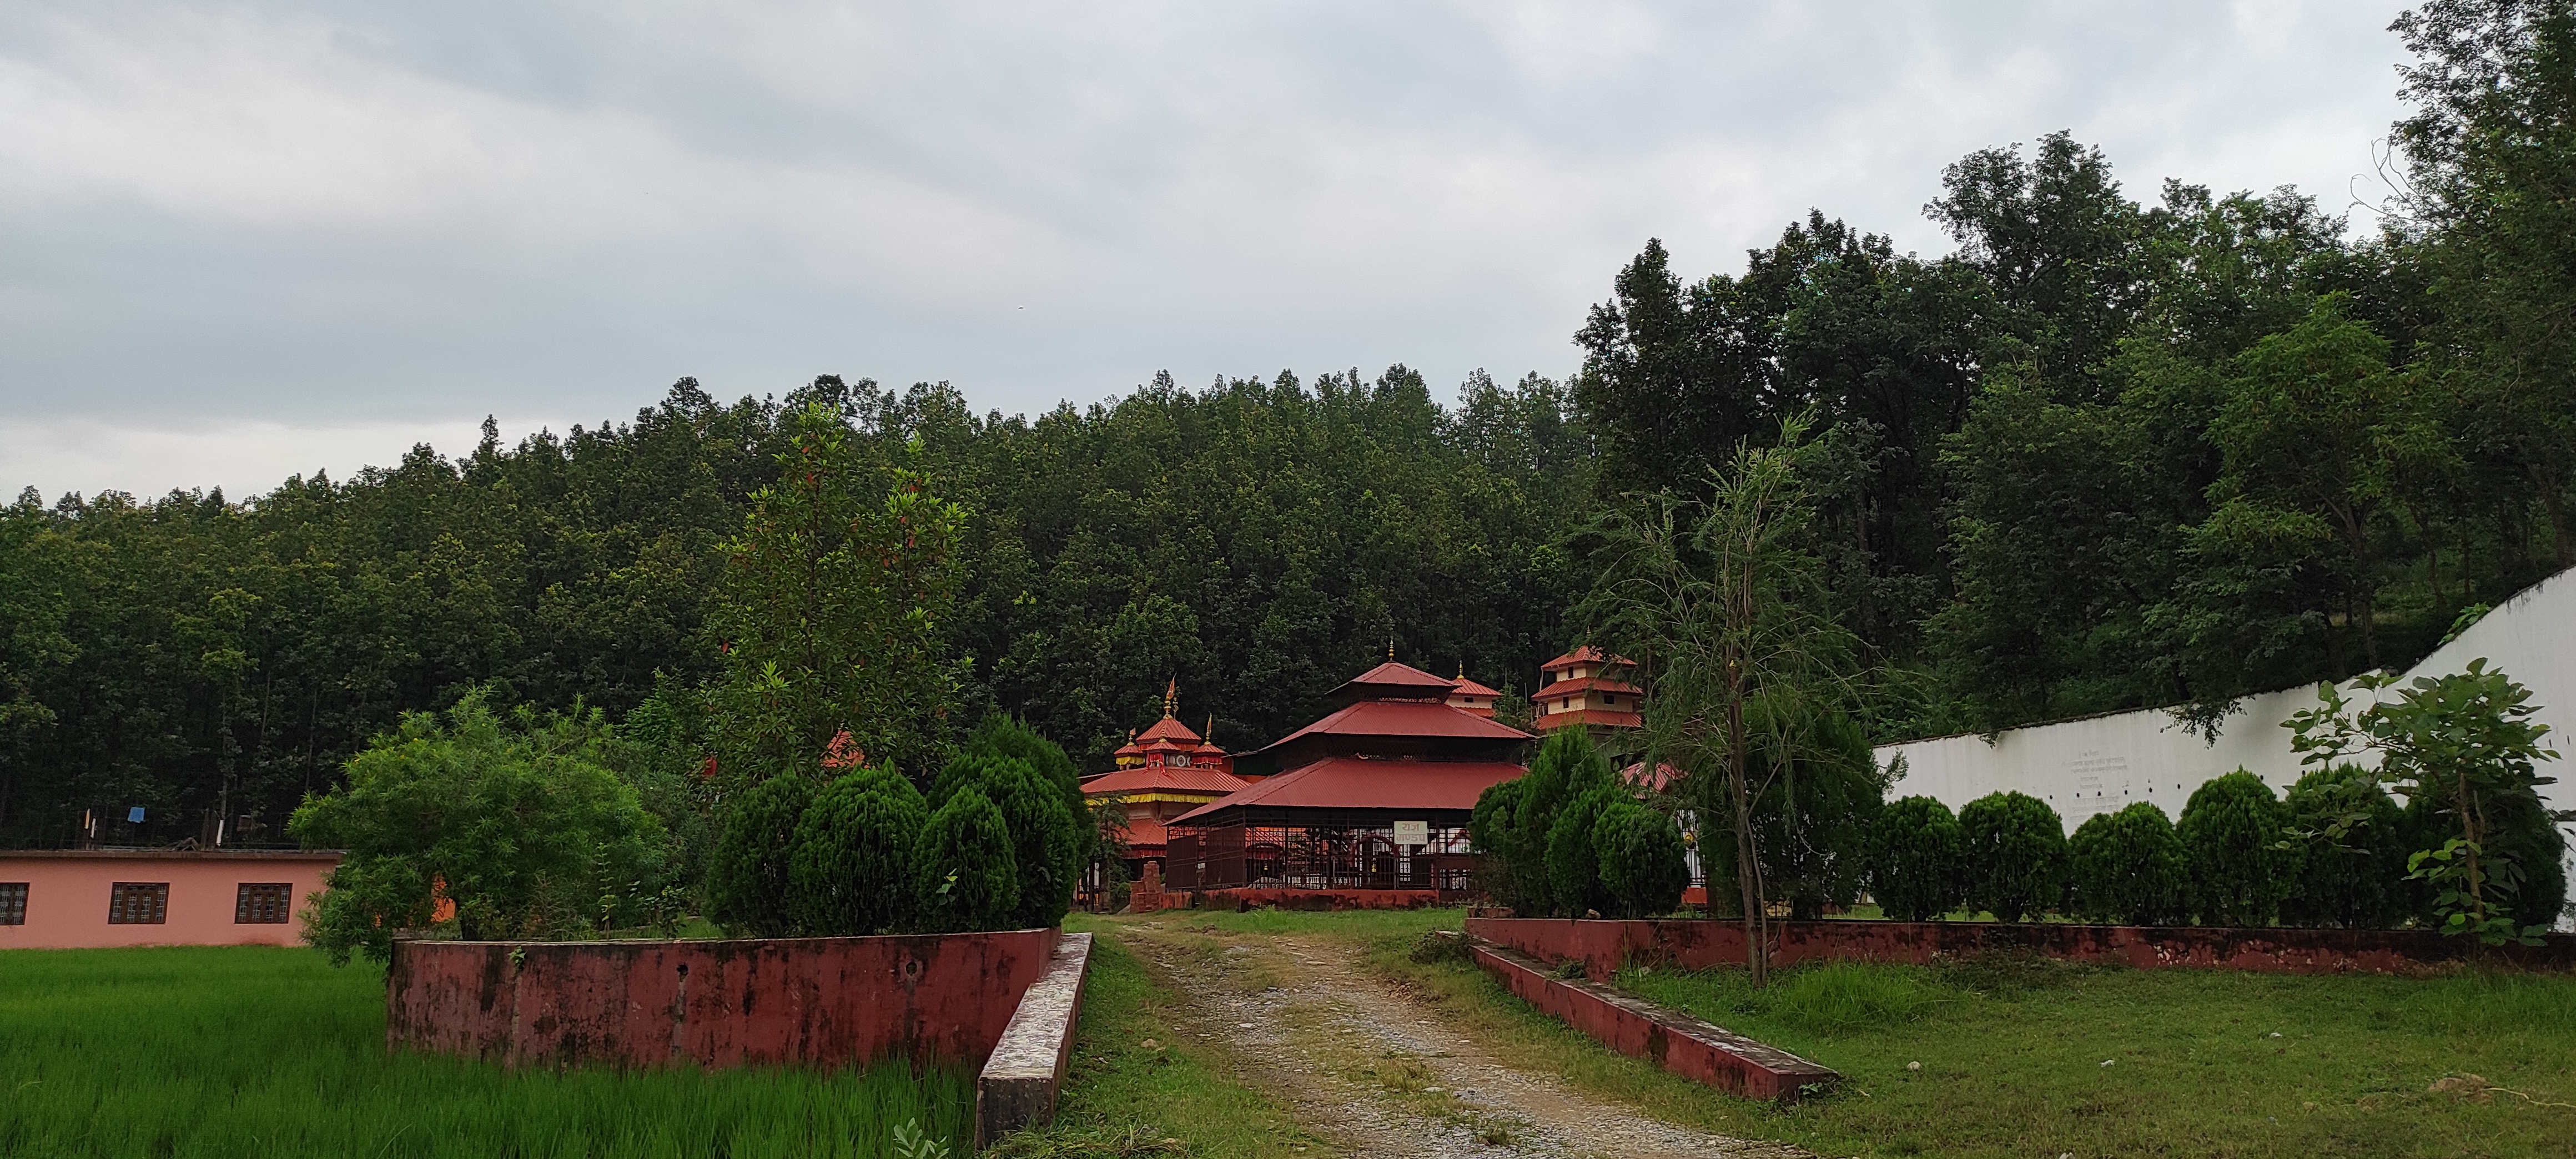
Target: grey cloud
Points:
(330, 214)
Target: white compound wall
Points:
(2100, 764)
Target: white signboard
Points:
(1413, 833)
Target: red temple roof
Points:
(1393, 679)
(1609, 718)
(1587, 684)
(1360, 783)
(1168, 728)
(1164, 778)
(1464, 686)
(1406, 718)
(1586, 654)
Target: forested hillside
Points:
(2112, 452)
(1259, 541)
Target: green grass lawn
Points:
(2012, 1052)
(2028, 1054)
(1125, 1097)
(252, 1051)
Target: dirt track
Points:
(1362, 1064)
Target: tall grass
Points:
(251, 1051)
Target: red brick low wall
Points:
(1697, 944)
(820, 1001)
(1686, 1046)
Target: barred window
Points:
(13, 903)
(138, 903)
(262, 902)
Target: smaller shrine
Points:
(1588, 687)
(1161, 773)
(1473, 698)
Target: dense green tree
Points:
(1720, 600)
(831, 612)
(2014, 848)
(1574, 882)
(2355, 881)
(519, 822)
(849, 871)
(2128, 868)
(964, 872)
(750, 878)
(1916, 871)
(1644, 866)
(2231, 830)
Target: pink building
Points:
(78, 898)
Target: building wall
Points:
(68, 891)
(2084, 767)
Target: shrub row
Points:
(1570, 838)
(2232, 860)
(998, 843)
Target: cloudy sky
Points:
(243, 240)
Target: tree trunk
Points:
(1748, 885)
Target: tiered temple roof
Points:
(1396, 746)
(1588, 687)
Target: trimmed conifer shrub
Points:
(1566, 768)
(748, 887)
(2230, 831)
(1491, 832)
(2357, 882)
(964, 876)
(2013, 849)
(851, 871)
(2128, 868)
(1573, 865)
(1915, 860)
(1643, 868)
(1046, 842)
(1002, 735)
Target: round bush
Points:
(2128, 868)
(2358, 886)
(964, 877)
(748, 887)
(2013, 849)
(1643, 868)
(851, 871)
(1914, 863)
(2230, 831)
(1573, 865)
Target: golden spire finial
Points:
(1390, 647)
(1462, 668)
(1172, 697)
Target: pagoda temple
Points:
(1588, 687)
(1375, 795)
(1163, 772)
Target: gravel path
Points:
(1362, 1064)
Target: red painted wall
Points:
(1698, 944)
(1687, 1047)
(67, 896)
(823, 1001)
